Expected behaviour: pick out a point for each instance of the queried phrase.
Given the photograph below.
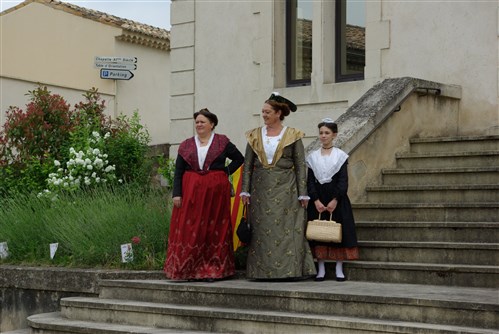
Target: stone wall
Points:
(25, 291)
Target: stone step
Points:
(445, 160)
(474, 232)
(254, 324)
(441, 176)
(455, 144)
(445, 212)
(54, 323)
(288, 304)
(481, 254)
(470, 276)
(433, 193)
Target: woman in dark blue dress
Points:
(327, 185)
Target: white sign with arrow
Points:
(117, 66)
(115, 74)
(104, 59)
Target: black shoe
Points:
(341, 279)
(319, 279)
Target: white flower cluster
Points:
(83, 168)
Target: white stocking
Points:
(339, 269)
(321, 272)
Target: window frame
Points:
(339, 38)
(289, 44)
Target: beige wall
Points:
(449, 42)
(40, 44)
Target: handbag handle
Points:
(320, 213)
(244, 210)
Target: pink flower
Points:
(136, 240)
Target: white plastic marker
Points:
(53, 249)
(4, 250)
(126, 253)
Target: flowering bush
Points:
(83, 168)
(31, 139)
(53, 148)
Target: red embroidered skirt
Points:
(335, 254)
(200, 239)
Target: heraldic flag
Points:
(236, 205)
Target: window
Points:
(298, 42)
(343, 35)
(350, 40)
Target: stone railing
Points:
(380, 123)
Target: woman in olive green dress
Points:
(275, 190)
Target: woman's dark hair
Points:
(331, 126)
(279, 106)
(208, 114)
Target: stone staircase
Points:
(435, 218)
(241, 306)
(429, 264)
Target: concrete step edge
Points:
(466, 205)
(271, 316)
(453, 139)
(412, 155)
(411, 294)
(384, 326)
(439, 170)
(423, 224)
(54, 321)
(431, 244)
(458, 187)
(464, 268)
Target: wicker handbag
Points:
(324, 230)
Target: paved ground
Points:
(429, 292)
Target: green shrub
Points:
(128, 148)
(166, 168)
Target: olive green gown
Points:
(278, 249)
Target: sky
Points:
(152, 12)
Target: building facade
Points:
(229, 56)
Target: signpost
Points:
(116, 68)
(115, 74)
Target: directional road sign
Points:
(115, 74)
(110, 59)
(117, 66)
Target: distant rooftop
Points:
(133, 32)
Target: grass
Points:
(89, 227)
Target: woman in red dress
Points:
(200, 240)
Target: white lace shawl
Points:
(326, 166)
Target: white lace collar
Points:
(326, 166)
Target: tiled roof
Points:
(356, 37)
(133, 32)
